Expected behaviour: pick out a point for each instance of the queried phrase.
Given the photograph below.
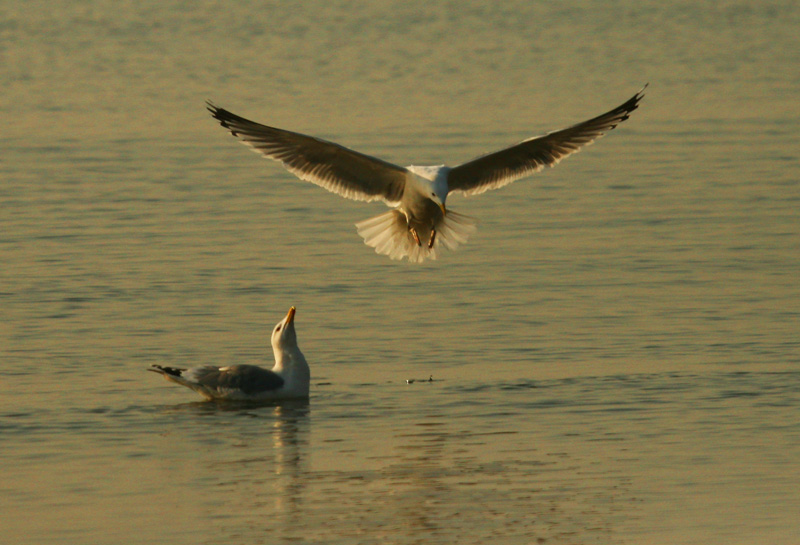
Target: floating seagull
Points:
(418, 223)
(289, 377)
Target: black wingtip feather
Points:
(174, 371)
(222, 115)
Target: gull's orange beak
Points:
(444, 210)
(290, 315)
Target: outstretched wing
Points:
(502, 167)
(338, 169)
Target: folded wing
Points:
(338, 169)
(248, 379)
(500, 168)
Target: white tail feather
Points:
(388, 233)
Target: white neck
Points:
(291, 363)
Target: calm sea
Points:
(615, 351)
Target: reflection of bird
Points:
(419, 222)
(289, 378)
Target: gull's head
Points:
(434, 196)
(439, 188)
(284, 336)
(438, 192)
(431, 182)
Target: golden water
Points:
(615, 350)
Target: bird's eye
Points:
(277, 329)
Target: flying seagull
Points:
(289, 378)
(419, 223)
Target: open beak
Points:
(290, 315)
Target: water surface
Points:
(614, 352)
